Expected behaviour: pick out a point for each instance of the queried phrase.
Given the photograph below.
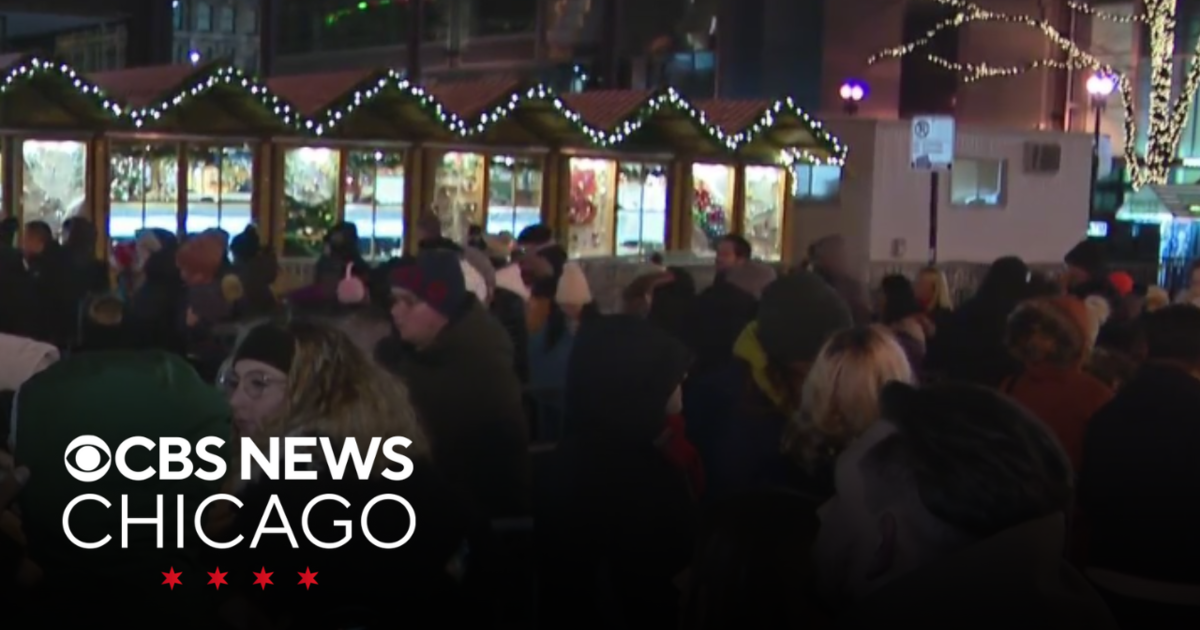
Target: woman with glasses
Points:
(309, 379)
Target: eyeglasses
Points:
(253, 383)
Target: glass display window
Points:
(592, 210)
(514, 194)
(220, 188)
(458, 193)
(143, 191)
(310, 184)
(55, 181)
(766, 201)
(374, 193)
(641, 208)
(712, 206)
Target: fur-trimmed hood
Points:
(1053, 330)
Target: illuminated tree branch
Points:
(1086, 9)
(1168, 115)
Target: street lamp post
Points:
(1099, 86)
(852, 93)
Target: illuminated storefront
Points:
(615, 207)
(713, 188)
(323, 186)
(511, 185)
(54, 181)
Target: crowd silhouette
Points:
(783, 448)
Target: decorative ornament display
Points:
(1168, 106)
(708, 215)
(584, 188)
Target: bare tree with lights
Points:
(1168, 109)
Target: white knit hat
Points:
(474, 281)
(509, 278)
(1099, 311)
(573, 286)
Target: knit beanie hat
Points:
(474, 282)
(509, 278)
(436, 279)
(1122, 282)
(573, 286)
(268, 344)
(482, 265)
(1098, 310)
(350, 289)
(797, 314)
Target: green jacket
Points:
(114, 396)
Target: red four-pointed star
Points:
(308, 579)
(172, 578)
(218, 578)
(262, 578)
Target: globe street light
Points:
(1099, 86)
(852, 93)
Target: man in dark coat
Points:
(459, 370)
(53, 288)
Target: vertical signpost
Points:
(933, 152)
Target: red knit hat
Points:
(1122, 282)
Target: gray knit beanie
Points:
(796, 315)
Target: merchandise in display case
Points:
(220, 186)
(143, 188)
(375, 201)
(514, 194)
(712, 206)
(458, 193)
(766, 199)
(641, 208)
(310, 183)
(592, 207)
(55, 183)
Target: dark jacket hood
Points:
(621, 372)
(1017, 578)
(81, 241)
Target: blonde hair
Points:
(335, 390)
(941, 288)
(840, 397)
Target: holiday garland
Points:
(831, 150)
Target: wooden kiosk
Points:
(50, 118)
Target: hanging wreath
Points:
(708, 214)
(584, 188)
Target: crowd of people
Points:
(785, 448)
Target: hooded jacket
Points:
(614, 514)
(1015, 579)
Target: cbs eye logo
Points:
(91, 456)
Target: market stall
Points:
(496, 175)
(762, 140)
(617, 196)
(52, 115)
(356, 163)
(185, 159)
